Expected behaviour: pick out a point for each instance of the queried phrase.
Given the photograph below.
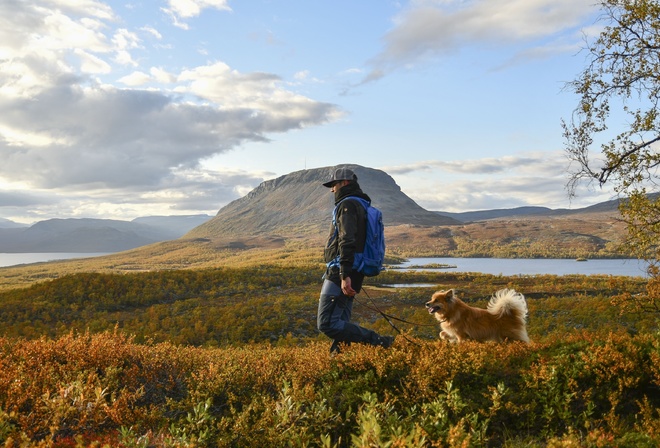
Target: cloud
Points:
(186, 9)
(260, 94)
(185, 191)
(137, 78)
(552, 163)
(458, 195)
(429, 30)
(16, 198)
(529, 179)
(62, 128)
(153, 32)
(104, 136)
(29, 28)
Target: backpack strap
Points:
(364, 203)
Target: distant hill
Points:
(483, 215)
(8, 224)
(95, 235)
(299, 203)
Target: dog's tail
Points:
(508, 301)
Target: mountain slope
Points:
(8, 224)
(95, 235)
(483, 215)
(298, 203)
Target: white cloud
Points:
(552, 163)
(186, 9)
(185, 191)
(92, 64)
(260, 95)
(61, 33)
(136, 78)
(106, 136)
(152, 31)
(429, 30)
(529, 179)
(301, 75)
(161, 75)
(124, 41)
(61, 130)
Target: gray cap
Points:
(340, 174)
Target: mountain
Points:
(298, 203)
(483, 215)
(295, 209)
(8, 224)
(95, 235)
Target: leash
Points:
(388, 318)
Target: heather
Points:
(231, 358)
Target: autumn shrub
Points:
(590, 388)
(223, 307)
(232, 357)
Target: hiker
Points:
(341, 282)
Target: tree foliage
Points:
(620, 84)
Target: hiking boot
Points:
(385, 341)
(334, 348)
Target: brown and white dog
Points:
(504, 319)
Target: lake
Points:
(507, 266)
(24, 258)
(495, 266)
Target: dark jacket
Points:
(351, 226)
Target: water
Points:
(507, 266)
(25, 258)
(495, 266)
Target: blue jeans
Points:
(334, 317)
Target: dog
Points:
(505, 318)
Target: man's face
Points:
(337, 185)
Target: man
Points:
(341, 283)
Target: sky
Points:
(123, 109)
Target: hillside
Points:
(94, 235)
(8, 224)
(296, 207)
(481, 215)
(298, 204)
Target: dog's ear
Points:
(450, 295)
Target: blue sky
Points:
(123, 109)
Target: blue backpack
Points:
(369, 262)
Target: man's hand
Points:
(346, 287)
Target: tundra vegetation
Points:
(231, 357)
